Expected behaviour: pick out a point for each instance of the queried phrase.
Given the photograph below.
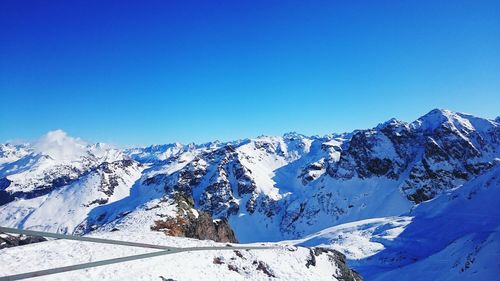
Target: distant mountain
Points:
(261, 189)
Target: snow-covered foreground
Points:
(283, 262)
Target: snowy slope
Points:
(283, 263)
(51, 162)
(453, 237)
(64, 209)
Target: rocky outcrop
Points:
(205, 228)
(222, 175)
(344, 273)
(194, 224)
(9, 240)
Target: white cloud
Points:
(58, 145)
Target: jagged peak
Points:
(163, 147)
(14, 146)
(266, 138)
(454, 120)
(293, 135)
(393, 122)
(101, 146)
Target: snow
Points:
(12, 152)
(383, 148)
(453, 237)
(359, 239)
(301, 196)
(156, 153)
(456, 121)
(262, 165)
(64, 209)
(341, 201)
(53, 156)
(471, 257)
(284, 262)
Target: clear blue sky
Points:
(161, 71)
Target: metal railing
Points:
(164, 250)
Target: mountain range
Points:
(410, 201)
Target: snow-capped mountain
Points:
(253, 190)
(54, 161)
(453, 237)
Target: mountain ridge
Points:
(269, 188)
(421, 158)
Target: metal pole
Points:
(165, 251)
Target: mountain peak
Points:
(453, 120)
(437, 117)
(292, 135)
(393, 122)
(438, 114)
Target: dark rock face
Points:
(379, 167)
(229, 179)
(362, 157)
(438, 152)
(223, 174)
(189, 177)
(5, 197)
(8, 240)
(109, 179)
(246, 184)
(451, 156)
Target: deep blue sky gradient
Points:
(141, 72)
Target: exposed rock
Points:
(166, 279)
(311, 260)
(218, 260)
(205, 228)
(194, 224)
(10, 240)
(239, 254)
(344, 273)
(233, 267)
(264, 267)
